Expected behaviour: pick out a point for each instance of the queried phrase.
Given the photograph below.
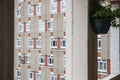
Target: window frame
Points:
(53, 7)
(103, 69)
(40, 74)
(18, 71)
(41, 26)
(29, 75)
(30, 10)
(38, 39)
(32, 40)
(41, 57)
(18, 12)
(52, 61)
(63, 5)
(27, 59)
(61, 42)
(20, 42)
(28, 26)
(51, 23)
(38, 9)
(22, 27)
(52, 43)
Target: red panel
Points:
(52, 16)
(108, 66)
(58, 45)
(34, 75)
(46, 60)
(24, 59)
(58, 77)
(58, 8)
(64, 33)
(34, 10)
(34, 43)
(46, 25)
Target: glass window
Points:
(63, 43)
(28, 26)
(20, 27)
(18, 12)
(42, 60)
(63, 5)
(38, 42)
(50, 61)
(53, 43)
(38, 9)
(99, 44)
(27, 58)
(30, 43)
(30, 10)
(53, 7)
(41, 26)
(30, 75)
(38, 76)
(18, 42)
(18, 73)
(50, 25)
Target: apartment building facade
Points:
(108, 55)
(40, 40)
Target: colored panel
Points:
(108, 66)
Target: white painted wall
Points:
(114, 50)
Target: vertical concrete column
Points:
(81, 50)
(6, 39)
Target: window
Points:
(18, 42)
(53, 7)
(42, 60)
(38, 42)
(30, 75)
(30, 10)
(99, 44)
(52, 77)
(63, 5)
(20, 1)
(28, 26)
(21, 58)
(102, 66)
(50, 25)
(53, 43)
(27, 58)
(63, 43)
(18, 12)
(30, 42)
(18, 73)
(38, 76)
(20, 27)
(50, 61)
(41, 25)
(38, 9)
(62, 78)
